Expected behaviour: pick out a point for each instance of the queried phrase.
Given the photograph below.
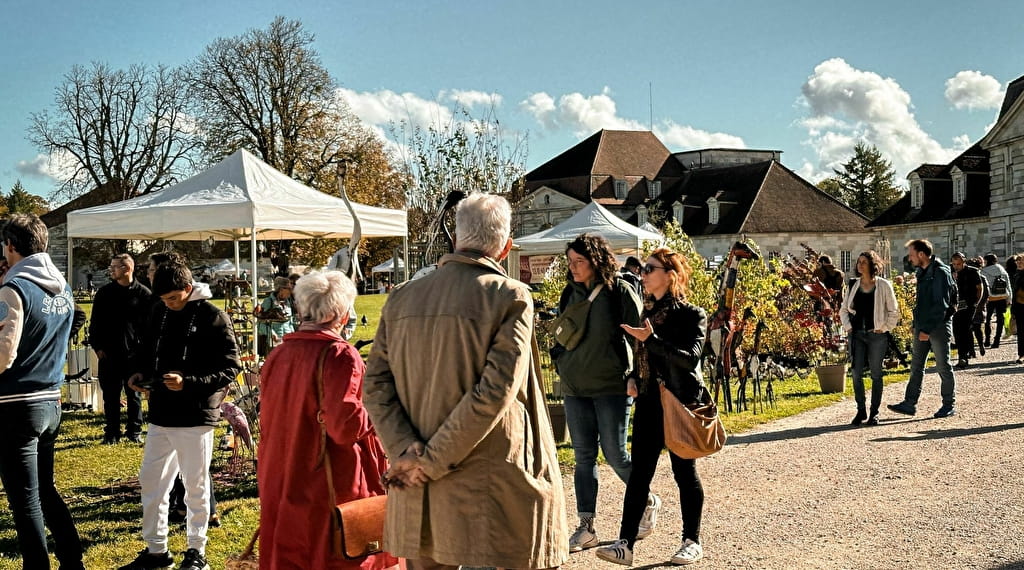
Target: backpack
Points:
(954, 297)
(999, 286)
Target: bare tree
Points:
(268, 92)
(127, 128)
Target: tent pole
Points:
(255, 291)
(405, 252)
(237, 259)
(71, 250)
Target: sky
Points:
(922, 81)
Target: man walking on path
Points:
(119, 314)
(933, 326)
(36, 308)
(475, 479)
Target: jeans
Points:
(938, 343)
(26, 467)
(867, 350)
(648, 441)
(113, 375)
(997, 308)
(593, 421)
(962, 322)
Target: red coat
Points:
(295, 519)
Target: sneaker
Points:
(146, 560)
(945, 412)
(194, 561)
(214, 521)
(618, 552)
(903, 408)
(650, 517)
(133, 438)
(582, 539)
(689, 553)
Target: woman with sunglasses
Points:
(668, 351)
(594, 374)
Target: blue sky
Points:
(921, 80)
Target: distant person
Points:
(868, 313)
(970, 286)
(979, 315)
(36, 308)
(119, 314)
(474, 475)
(999, 292)
(630, 273)
(277, 314)
(932, 326)
(831, 278)
(1017, 304)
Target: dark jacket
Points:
(198, 342)
(119, 316)
(933, 309)
(674, 350)
(599, 364)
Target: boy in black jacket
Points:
(188, 358)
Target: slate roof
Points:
(95, 197)
(937, 193)
(769, 198)
(1013, 91)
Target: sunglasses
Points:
(648, 269)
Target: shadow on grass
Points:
(948, 433)
(800, 433)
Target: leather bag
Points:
(691, 431)
(358, 526)
(571, 324)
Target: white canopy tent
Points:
(591, 219)
(388, 266)
(239, 198)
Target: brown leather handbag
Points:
(691, 431)
(358, 526)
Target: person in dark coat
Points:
(119, 315)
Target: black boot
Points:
(873, 418)
(859, 418)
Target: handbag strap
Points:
(247, 553)
(323, 457)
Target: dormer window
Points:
(653, 189)
(620, 189)
(959, 192)
(641, 215)
(712, 211)
(677, 212)
(547, 199)
(916, 193)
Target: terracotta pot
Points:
(558, 425)
(831, 378)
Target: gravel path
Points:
(811, 491)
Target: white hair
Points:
(324, 297)
(483, 222)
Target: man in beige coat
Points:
(452, 386)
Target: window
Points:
(958, 186)
(641, 215)
(712, 211)
(653, 189)
(845, 261)
(916, 193)
(620, 189)
(547, 199)
(677, 212)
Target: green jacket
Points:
(603, 359)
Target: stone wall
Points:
(841, 247)
(972, 237)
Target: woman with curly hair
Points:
(594, 374)
(869, 312)
(668, 351)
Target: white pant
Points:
(168, 451)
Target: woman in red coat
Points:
(295, 513)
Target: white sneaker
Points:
(689, 553)
(618, 552)
(650, 518)
(583, 538)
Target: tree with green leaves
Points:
(866, 183)
(21, 201)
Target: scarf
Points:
(657, 311)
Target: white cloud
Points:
(471, 99)
(846, 105)
(585, 114)
(974, 90)
(57, 167)
(385, 107)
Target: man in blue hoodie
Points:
(933, 327)
(36, 309)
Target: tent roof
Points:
(226, 202)
(388, 266)
(591, 219)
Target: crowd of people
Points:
(448, 415)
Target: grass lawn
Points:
(101, 487)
